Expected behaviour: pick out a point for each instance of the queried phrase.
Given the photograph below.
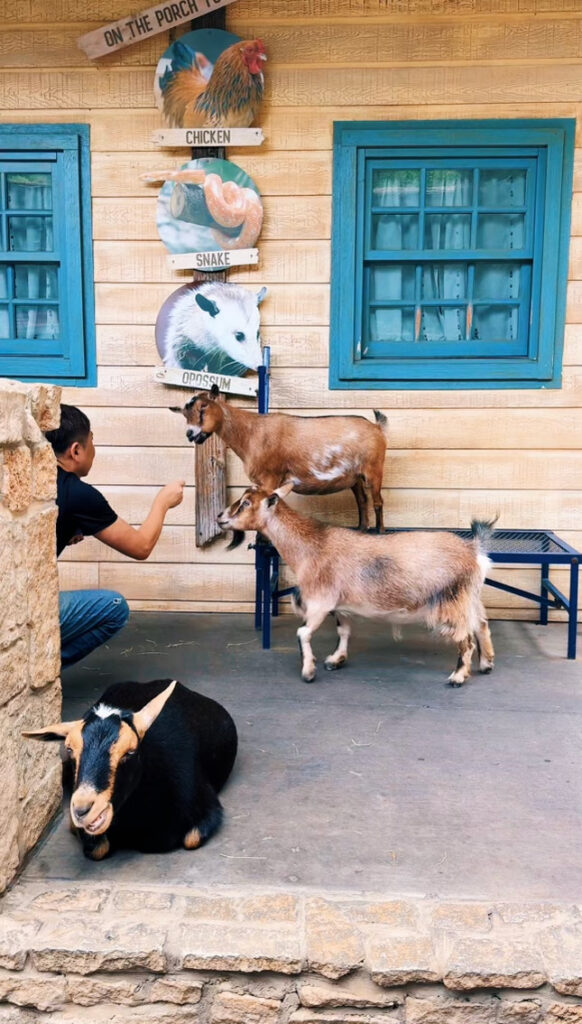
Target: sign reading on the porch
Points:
(210, 79)
(210, 328)
(209, 206)
(147, 23)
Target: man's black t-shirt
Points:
(82, 509)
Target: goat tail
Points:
(482, 530)
(382, 421)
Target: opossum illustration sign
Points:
(210, 334)
(209, 214)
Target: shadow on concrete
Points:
(376, 778)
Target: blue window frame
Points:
(450, 253)
(47, 320)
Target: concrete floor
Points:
(378, 778)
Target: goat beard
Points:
(237, 538)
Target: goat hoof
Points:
(99, 851)
(308, 678)
(332, 666)
(485, 670)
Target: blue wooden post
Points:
(573, 608)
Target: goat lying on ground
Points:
(434, 577)
(319, 454)
(144, 766)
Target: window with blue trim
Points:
(450, 253)
(47, 323)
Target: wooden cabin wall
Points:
(453, 454)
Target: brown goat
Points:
(432, 577)
(318, 455)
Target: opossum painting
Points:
(213, 327)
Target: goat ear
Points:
(237, 538)
(143, 719)
(284, 489)
(214, 391)
(51, 733)
(272, 499)
(177, 408)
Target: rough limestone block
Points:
(305, 1016)
(13, 609)
(44, 473)
(71, 944)
(76, 899)
(17, 478)
(246, 948)
(461, 917)
(9, 859)
(440, 1010)
(45, 405)
(400, 960)
(35, 760)
(522, 1011)
(92, 991)
(562, 953)
(356, 991)
(13, 677)
(16, 935)
(563, 1013)
(335, 944)
(128, 901)
(32, 990)
(232, 1008)
(400, 914)
(175, 988)
(38, 809)
(482, 963)
(43, 597)
(12, 413)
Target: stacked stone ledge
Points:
(30, 693)
(90, 953)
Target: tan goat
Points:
(428, 576)
(317, 454)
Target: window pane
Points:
(502, 188)
(447, 231)
(29, 191)
(30, 234)
(392, 282)
(395, 231)
(444, 281)
(37, 321)
(495, 323)
(4, 283)
(501, 231)
(395, 187)
(449, 187)
(4, 322)
(443, 323)
(392, 324)
(36, 281)
(497, 280)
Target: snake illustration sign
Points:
(209, 215)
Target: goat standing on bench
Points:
(318, 455)
(432, 577)
(144, 766)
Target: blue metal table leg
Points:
(267, 600)
(258, 586)
(275, 585)
(573, 608)
(543, 593)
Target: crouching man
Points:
(89, 617)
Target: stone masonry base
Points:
(172, 955)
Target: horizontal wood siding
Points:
(452, 454)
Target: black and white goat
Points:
(144, 766)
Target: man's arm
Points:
(139, 541)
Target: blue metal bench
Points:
(511, 547)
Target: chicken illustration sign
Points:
(209, 86)
(209, 214)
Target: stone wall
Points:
(82, 954)
(30, 692)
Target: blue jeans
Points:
(88, 618)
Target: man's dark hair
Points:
(75, 426)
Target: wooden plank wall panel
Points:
(452, 454)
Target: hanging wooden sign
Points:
(175, 137)
(147, 23)
(202, 380)
(219, 260)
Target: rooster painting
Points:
(229, 98)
